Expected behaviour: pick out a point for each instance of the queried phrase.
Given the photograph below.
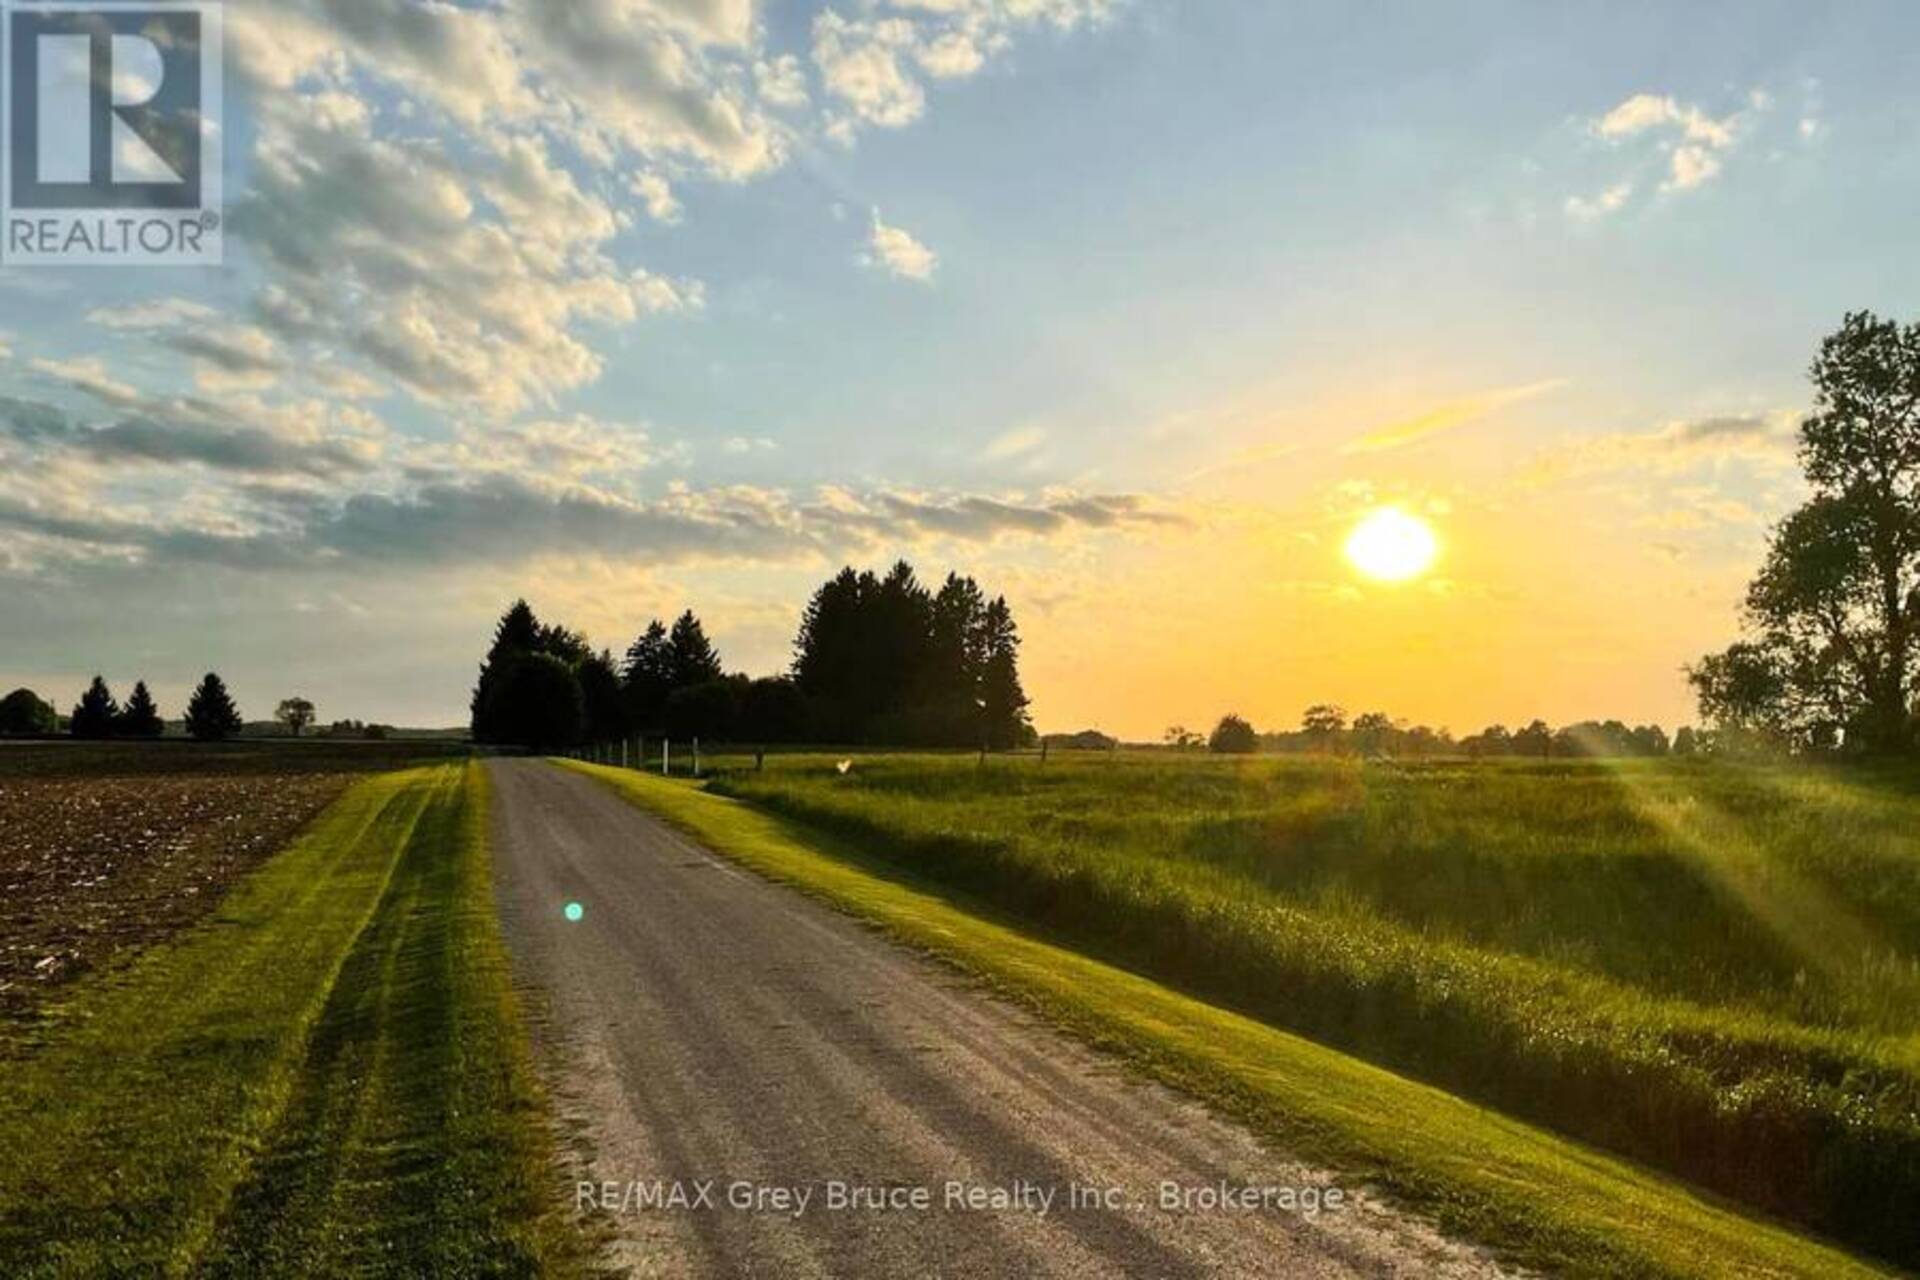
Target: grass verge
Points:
(1543, 1200)
(326, 1077)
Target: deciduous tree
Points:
(1233, 736)
(1833, 617)
(295, 713)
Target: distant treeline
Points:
(878, 661)
(1325, 729)
(211, 715)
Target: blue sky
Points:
(1129, 307)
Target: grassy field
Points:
(1712, 969)
(325, 1076)
(1547, 1201)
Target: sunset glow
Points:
(1391, 546)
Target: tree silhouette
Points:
(691, 659)
(884, 660)
(519, 699)
(534, 700)
(24, 711)
(1003, 703)
(1834, 615)
(1373, 732)
(1323, 723)
(96, 715)
(603, 699)
(1534, 740)
(295, 713)
(140, 718)
(1233, 736)
(648, 676)
(211, 715)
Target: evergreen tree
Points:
(140, 718)
(1003, 701)
(956, 662)
(517, 635)
(692, 659)
(211, 715)
(828, 661)
(569, 646)
(883, 660)
(96, 715)
(649, 677)
(533, 700)
(518, 631)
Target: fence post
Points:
(696, 757)
(666, 757)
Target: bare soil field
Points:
(106, 849)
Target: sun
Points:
(1389, 545)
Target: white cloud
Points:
(657, 195)
(872, 66)
(1690, 145)
(782, 81)
(862, 65)
(899, 253)
(1608, 201)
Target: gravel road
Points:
(827, 1103)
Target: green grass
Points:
(326, 1077)
(1120, 859)
(1711, 969)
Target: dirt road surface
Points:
(710, 1030)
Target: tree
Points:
(533, 700)
(517, 634)
(882, 659)
(1833, 617)
(501, 711)
(24, 712)
(1003, 702)
(1233, 736)
(603, 699)
(96, 715)
(211, 715)
(648, 676)
(1494, 740)
(140, 718)
(773, 710)
(1181, 738)
(692, 658)
(1323, 723)
(1373, 732)
(1686, 742)
(712, 710)
(1534, 740)
(295, 713)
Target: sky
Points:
(1129, 308)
